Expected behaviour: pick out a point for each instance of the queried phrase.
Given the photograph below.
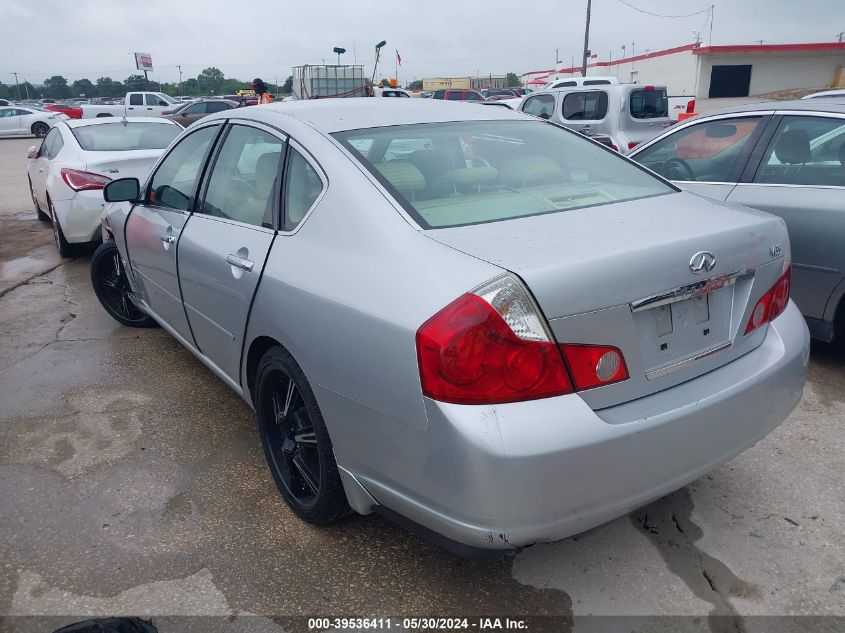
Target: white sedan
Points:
(78, 158)
(24, 121)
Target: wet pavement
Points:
(132, 481)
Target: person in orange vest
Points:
(261, 91)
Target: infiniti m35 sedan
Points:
(478, 323)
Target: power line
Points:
(660, 15)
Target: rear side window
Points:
(540, 106)
(649, 104)
(217, 106)
(453, 96)
(585, 106)
(473, 96)
(805, 151)
(439, 94)
(56, 146)
(136, 99)
(565, 84)
(304, 186)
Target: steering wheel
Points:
(677, 169)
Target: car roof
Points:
(815, 105)
(74, 123)
(352, 113)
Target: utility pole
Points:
(179, 66)
(19, 86)
(586, 41)
(841, 36)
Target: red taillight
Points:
(84, 180)
(613, 147)
(594, 365)
(771, 304)
(633, 145)
(648, 88)
(691, 106)
(469, 355)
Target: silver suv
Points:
(629, 114)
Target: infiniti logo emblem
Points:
(702, 262)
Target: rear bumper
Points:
(80, 216)
(504, 476)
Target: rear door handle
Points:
(240, 262)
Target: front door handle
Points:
(167, 239)
(240, 262)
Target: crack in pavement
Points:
(668, 524)
(23, 282)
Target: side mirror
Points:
(122, 190)
(32, 152)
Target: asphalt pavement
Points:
(132, 480)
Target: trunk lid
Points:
(124, 164)
(620, 275)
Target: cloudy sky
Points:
(247, 38)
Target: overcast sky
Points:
(248, 38)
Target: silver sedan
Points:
(475, 322)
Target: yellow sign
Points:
(444, 83)
(245, 92)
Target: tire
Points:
(295, 439)
(111, 286)
(44, 217)
(65, 248)
(40, 129)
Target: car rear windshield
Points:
(469, 172)
(649, 103)
(120, 137)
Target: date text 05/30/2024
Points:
(418, 624)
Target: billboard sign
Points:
(143, 61)
(440, 83)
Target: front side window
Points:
(44, 150)
(705, 152)
(649, 103)
(540, 106)
(474, 96)
(56, 146)
(805, 150)
(304, 186)
(585, 106)
(174, 184)
(453, 96)
(243, 179)
(197, 108)
(122, 137)
(217, 106)
(136, 99)
(471, 172)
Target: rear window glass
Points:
(649, 104)
(118, 137)
(585, 106)
(469, 172)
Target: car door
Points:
(706, 157)
(10, 121)
(154, 225)
(800, 176)
(584, 111)
(225, 243)
(38, 171)
(135, 107)
(190, 114)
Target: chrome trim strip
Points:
(671, 369)
(822, 269)
(783, 184)
(688, 291)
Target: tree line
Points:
(209, 81)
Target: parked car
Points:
(4, 102)
(27, 121)
(504, 93)
(567, 338)
(786, 158)
(71, 111)
(135, 104)
(77, 159)
(390, 92)
(196, 110)
(457, 94)
(827, 94)
(628, 113)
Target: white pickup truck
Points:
(134, 104)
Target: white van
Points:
(629, 114)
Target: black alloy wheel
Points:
(40, 129)
(112, 288)
(295, 440)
